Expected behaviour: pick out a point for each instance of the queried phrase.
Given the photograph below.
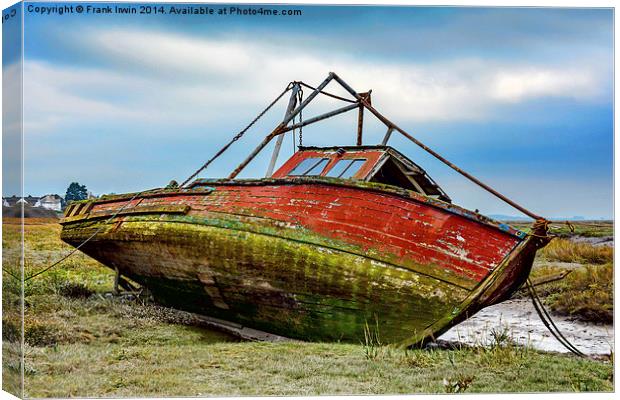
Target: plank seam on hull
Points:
(322, 246)
(435, 248)
(171, 209)
(415, 245)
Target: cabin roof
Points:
(351, 148)
(381, 164)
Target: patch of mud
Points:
(523, 325)
(607, 241)
(557, 264)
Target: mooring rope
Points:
(540, 225)
(540, 229)
(549, 225)
(10, 273)
(548, 321)
(85, 241)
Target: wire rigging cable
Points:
(327, 93)
(237, 136)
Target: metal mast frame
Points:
(361, 102)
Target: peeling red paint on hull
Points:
(307, 260)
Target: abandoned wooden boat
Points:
(336, 240)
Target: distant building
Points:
(51, 202)
(13, 200)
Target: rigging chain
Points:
(293, 133)
(300, 96)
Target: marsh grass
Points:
(565, 250)
(83, 342)
(586, 293)
(372, 341)
(580, 228)
(212, 367)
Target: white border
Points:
(478, 3)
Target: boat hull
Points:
(307, 260)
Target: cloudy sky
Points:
(521, 98)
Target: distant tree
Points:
(75, 191)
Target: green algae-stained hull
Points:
(238, 251)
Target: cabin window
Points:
(345, 169)
(310, 166)
(391, 174)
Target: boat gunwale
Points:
(205, 187)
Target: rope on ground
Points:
(85, 241)
(548, 322)
(237, 136)
(10, 273)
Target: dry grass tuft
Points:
(586, 293)
(565, 250)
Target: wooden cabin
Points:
(380, 164)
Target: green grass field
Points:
(81, 341)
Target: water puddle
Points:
(519, 318)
